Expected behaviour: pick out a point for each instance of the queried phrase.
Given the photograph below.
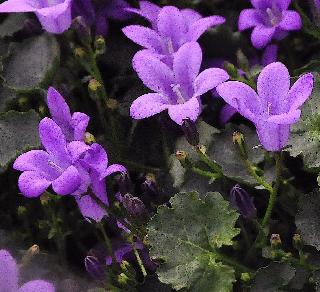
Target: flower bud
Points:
(297, 242)
(89, 138)
(79, 52)
(275, 240)
(94, 267)
(231, 70)
(183, 157)
(242, 202)
(82, 30)
(124, 265)
(123, 279)
(190, 131)
(112, 103)
(124, 183)
(245, 277)
(149, 186)
(30, 253)
(100, 45)
(133, 205)
(238, 139)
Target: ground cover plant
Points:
(159, 146)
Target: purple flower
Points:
(97, 14)
(241, 201)
(9, 277)
(177, 90)
(171, 29)
(54, 166)
(270, 19)
(54, 15)
(94, 267)
(73, 126)
(275, 107)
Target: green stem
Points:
(204, 158)
(106, 239)
(205, 173)
(232, 262)
(252, 170)
(140, 263)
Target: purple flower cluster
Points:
(9, 277)
(67, 163)
(170, 63)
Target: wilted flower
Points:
(9, 277)
(177, 90)
(241, 201)
(270, 19)
(54, 15)
(275, 107)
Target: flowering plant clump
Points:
(156, 146)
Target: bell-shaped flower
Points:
(274, 107)
(9, 277)
(52, 166)
(54, 15)
(241, 201)
(91, 194)
(271, 19)
(73, 126)
(173, 29)
(177, 90)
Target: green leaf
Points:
(305, 135)
(226, 153)
(32, 63)
(187, 237)
(12, 24)
(308, 218)
(18, 132)
(272, 277)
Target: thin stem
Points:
(205, 173)
(252, 170)
(232, 262)
(140, 263)
(106, 239)
(204, 157)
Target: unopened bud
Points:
(79, 52)
(297, 242)
(42, 110)
(245, 277)
(124, 183)
(22, 210)
(202, 149)
(275, 240)
(149, 186)
(133, 205)
(44, 199)
(30, 253)
(242, 202)
(94, 267)
(94, 85)
(89, 138)
(124, 265)
(123, 279)
(100, 45)
(238, 139)
(112, 103)
(183, 158)
(190, 131)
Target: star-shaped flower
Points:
(270, 19)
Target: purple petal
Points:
(300, 91)
(154, 74)
(8, 272)
(273, 85)
(279, 34)
(76, 149)
(90, 209)
(32, 184)
(270, 55)
(186, 72)
(38, 286)
(190, 109)
(68, 182)
(113, 168)
(226, 114)
(273, 137)
(199, 27)
(147, 10)
(291, 20)
(99, 188)
(144, 37)
(101, 25)
(56, 19)
(261, 36)
(17, 6)
(264, 4)
(85, 9)
(79, 123)
(285, 119)
(190, 16)
(243, 98)
(172, 26)
(116, 10)
(248, 18)
(122, 251)
(54, 141)
(148, 105)
(209, 79)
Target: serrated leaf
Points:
(272, 277)
(226, 153)
(18, 132)
(187, 237)
(32, 63)
(12, 24)
(308, 218)
(305, 135)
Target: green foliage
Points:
(12, 24)
(18, 132)
(308, 218)
(305, 135)
(37, 58)
(187, 237)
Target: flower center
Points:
(176, 88)
(170, 46)
(55, 166)
(274, 15)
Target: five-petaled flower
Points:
(171, 29)
(54, 15)
(275, 107)
(270, 19)
(177, 90)
(9, 277)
